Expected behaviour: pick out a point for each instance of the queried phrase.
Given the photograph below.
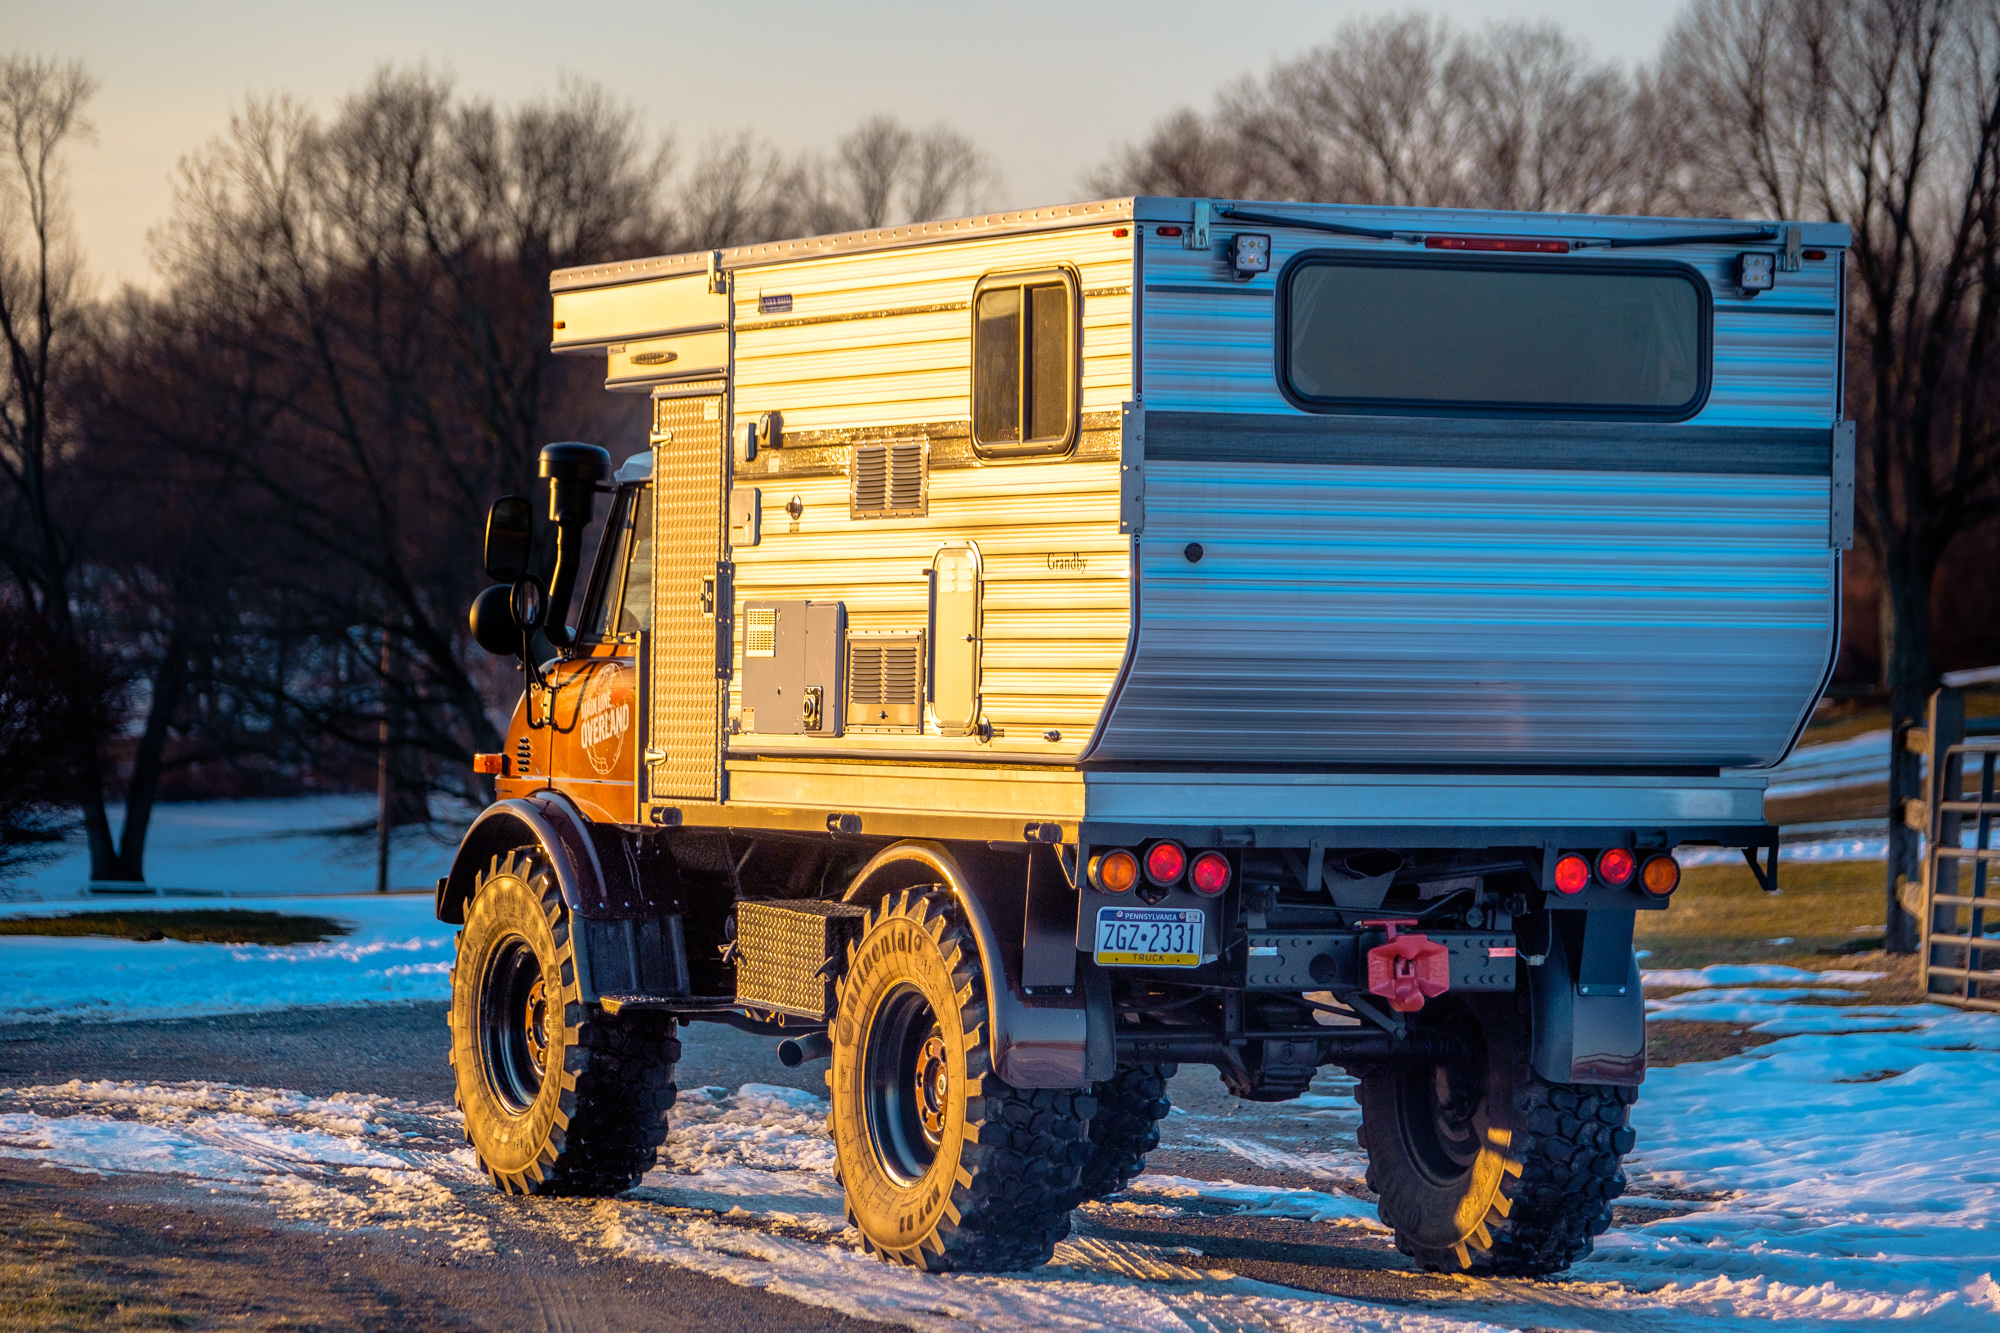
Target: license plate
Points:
(1149, 936)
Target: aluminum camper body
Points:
(1398, 619)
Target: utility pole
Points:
(382, 791)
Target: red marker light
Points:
(1511, 244)
(1615, 866)
(1168, 231)
(1572, 874)
(1210, 874)
(1114, 871)
(1165, 863)
(1660, 876)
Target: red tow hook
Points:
(1409, 969)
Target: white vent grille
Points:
(760, 632)
(885, 681)
(889, 478)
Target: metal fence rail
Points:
(1959, 962)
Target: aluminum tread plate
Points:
(687, 698)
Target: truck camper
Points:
(1043, 650)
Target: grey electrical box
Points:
(794, 668)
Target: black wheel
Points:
(1130, 1107)
(1482, 1165)
(945, 1166)
(557, 1100)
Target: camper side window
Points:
(1024, 363)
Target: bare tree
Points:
(1184, 155)
(1885, 115)
(882, 172)
(42, 316)
(1406, 111)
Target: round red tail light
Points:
(1572, 874)
(1615, 866)
(1165, 863)
(1660, 876)
(1210, 874)
(1115, 871)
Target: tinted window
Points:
(1024, 364)
(1568, 337)
(996, 361)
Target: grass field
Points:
(220, 926)
(1822, 910)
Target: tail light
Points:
(1660, 876)
(1210, 874)
(1115, 871)
(1165, 863)
(1615, 866)
(1572, 874)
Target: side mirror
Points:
(494, 627)
(510, 538)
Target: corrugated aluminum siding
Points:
(1378, 614)
(880, 343)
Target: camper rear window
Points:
(1024, 363)
(1503, 336)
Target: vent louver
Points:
(885, 681)
(889, 479)
(760, 632)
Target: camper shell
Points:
(1399, 558)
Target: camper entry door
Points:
(689, 648)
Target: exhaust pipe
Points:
(795, 1051)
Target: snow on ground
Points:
(1844, 1174)
(398, 952)
(258, 849)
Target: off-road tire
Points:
(593, 1121)
(1130, 1106)
(988, 1183)
(1528, 1186)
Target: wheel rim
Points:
(1443, 1104)
(513, 1023)
(906, 1083)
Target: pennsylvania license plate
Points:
(1149, 937)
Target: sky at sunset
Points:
(1047, 88)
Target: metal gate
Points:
(689, 645)
(1959, 960)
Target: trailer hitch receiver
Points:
(1407, 970)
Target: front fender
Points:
(625, 918)
(1035, 1045)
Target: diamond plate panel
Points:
(687, 696)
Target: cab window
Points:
(621, 590)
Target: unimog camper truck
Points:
(1045, 649)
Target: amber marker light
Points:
(1210, 874)
(1165, 862)
(1660, 876)
(1115, 871)
(1572, 874)
(1615, 866)
(489, 764)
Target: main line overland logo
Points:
(606, 717)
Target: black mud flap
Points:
(1588, 1008)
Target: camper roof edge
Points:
(880, 238)
(1149, 208)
